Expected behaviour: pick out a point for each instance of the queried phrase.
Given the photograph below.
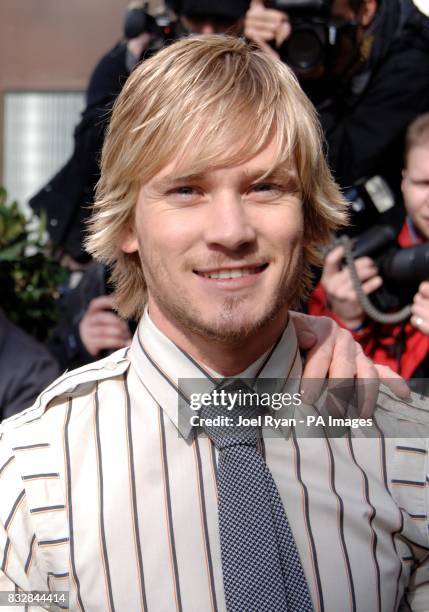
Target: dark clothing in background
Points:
(67, 198)
(65, 343)
(26, 368)
(365, 119)
(107, 80)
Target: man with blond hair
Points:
(213, 200)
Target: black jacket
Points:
(64, 342)
(365, 120)
(68, 196)
(26, 368)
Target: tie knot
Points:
(234, 416)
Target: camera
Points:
(312, 33)
(138, 20)
(402, 269)
(368, 200)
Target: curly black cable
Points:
(369, 308)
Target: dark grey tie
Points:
(261, 567)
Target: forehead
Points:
(264, 162)
(418, 159)
(341, 9)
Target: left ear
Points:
(404, 176)
(129, 242)
(367, 12)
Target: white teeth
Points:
(230, 273)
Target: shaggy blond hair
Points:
(207, 102)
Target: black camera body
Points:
(402, 269)
(138, 20)
(312, 33)
(370, 201)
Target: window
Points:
(38, 138)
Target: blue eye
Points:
(266, 191)
(184, 190)
(264, 187)
(184, 195)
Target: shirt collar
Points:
(170, 375)
(415, 236)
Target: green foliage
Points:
(29, 277)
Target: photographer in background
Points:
(67, 197)
(208, 16)
(87, 326)
(404, 347)
(372, 79)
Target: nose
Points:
(229, 225)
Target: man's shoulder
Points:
(74, 383)
(402, 417)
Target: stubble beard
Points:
(228, 328)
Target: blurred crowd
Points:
(365, 66)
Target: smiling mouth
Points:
(232, 272)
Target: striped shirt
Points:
(106, 493)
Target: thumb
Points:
(283, 32)
(306, 339)
(304, 333)
(257, 3)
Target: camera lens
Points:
(305, 50)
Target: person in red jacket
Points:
(404, 347)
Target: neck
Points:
(226, 358)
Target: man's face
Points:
(341, 11)
(220, 251)
(345, 53)
(212, 25)
(415, 188)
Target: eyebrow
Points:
(277, 173)
(172, 179)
